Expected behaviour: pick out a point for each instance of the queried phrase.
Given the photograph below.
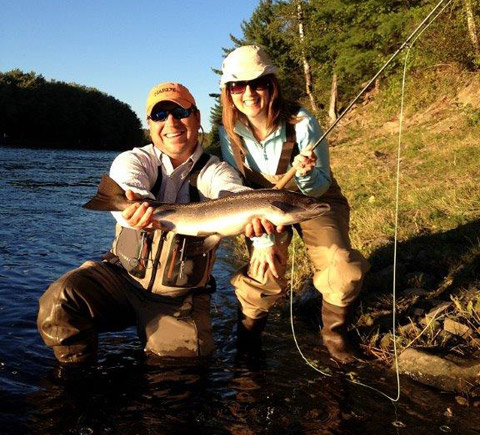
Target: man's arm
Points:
(134, 171)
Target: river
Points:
(45, 232)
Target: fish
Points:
(216, 218)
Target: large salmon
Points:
(226, 216)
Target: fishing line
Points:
(414, 36)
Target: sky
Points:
(123, 47)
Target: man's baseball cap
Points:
(170, 91)
(246, 63)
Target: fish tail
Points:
(110, 196)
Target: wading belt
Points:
(289, 151)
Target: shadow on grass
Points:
(432, 261)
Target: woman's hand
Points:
(138, 215)
(304, 162)
(263, 258)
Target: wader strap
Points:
(156, 187)
(289, 149)
(239, 158)
(193, 190)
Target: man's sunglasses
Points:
(259, 84)
(177, 112)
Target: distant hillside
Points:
(40, 113)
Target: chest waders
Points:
(339, 269)
(166, 263)
(159, 282)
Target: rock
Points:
(457, 328)
(440, 372)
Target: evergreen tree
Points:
(352, 39)
(212, 142)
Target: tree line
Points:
(326, 50)
(40, 113)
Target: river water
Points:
(45, 232)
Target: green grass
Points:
(439, 203)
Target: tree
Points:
(472, 27)
(306, 64)
(61, 114)
(212, 143)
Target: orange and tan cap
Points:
(170, 91)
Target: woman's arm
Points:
(315, 181)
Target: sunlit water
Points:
(45, 232)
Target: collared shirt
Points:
(137, 170)
(263, 156)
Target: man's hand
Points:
(257, 227)
(263, 258)
(304, 162)
(138, 215)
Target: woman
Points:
(262, 136)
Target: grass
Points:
(439, 209)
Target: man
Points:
(158, 281)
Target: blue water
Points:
(44, 232)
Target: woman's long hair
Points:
(278, 110)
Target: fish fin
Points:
(110, 196)
(211, 242)
(283, 206)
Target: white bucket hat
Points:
(246, 63)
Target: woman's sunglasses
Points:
(259, 84)
(177, 112)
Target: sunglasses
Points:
(177, 112)
(259, 84)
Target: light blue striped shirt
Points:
(263, 156)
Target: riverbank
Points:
(438, 252)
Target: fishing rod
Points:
(291, 173)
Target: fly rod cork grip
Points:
(291, 172)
